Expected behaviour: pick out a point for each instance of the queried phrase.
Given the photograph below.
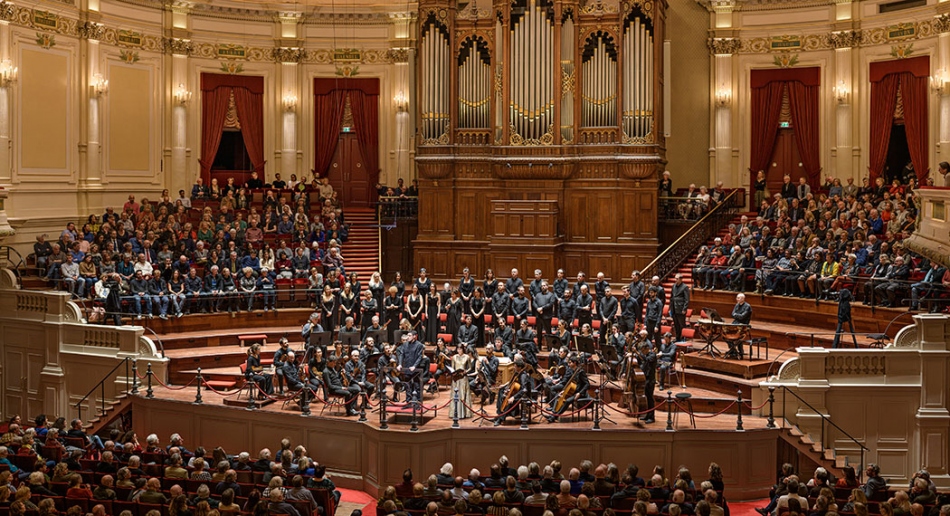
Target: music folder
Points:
(320, 338)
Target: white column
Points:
(844, 99)
(288, 160)
(401, 106)
(93, 174)
(723, 102)
(943, 121)
(178, 176)
(6, 164)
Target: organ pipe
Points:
(474, 86)
(637, 119)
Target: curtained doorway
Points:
(898, 154)
(785, 160)
(346, 115)
(232, 127)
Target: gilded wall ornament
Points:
(722, 46)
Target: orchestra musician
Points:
(510, 397)
(282, 350)
(442, 358)
(294, 382)
(334, 381)
(461, 364)
(468, 333)
(485, 377)
(349, 326)
(317, 365)
(637, 293)
(255, 371)
(384, 371)
(679, 302)
(544, 303)
(577, 385)
(585, 306)
(369, 309)
(507, 337)
(666, 353)
(520, 306)
(409, 358)
(393, 306)
(355, 371)
(369, 349)
(311, 326)
(654, 313)
(567, 308)
(558, 374)
(741, 314)
(526, 345)
(499, 304)
(608, 310)
(647, 360)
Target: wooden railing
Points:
(676, 253)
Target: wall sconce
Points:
(182, 96)
(940, 82)
(8, 73)
(723, 97)
(290, 102)
(841, 93)
(100, 86)
(401, 102)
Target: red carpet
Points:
(746, 508)
(359, 497)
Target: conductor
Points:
(409, 359)
(741, 314)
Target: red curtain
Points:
(883, 101)
(803, 102)
(328, 112)
(766, 109)
(250, 111)
(366, 116)
(214, 108)
(915, 94)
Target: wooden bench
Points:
(247, 340)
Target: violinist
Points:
(526, 345)
(559, 373)
(666, 353)
(255, 371)
(355, 371)
(509, 398)
(369, 349)
(317, 364)
(334, 380)
(442, 359)
(647, 360)
(384, 371)
(525, 333)
(485, 377)
(574, 389)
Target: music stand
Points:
(553, 341)
(350, 339)
(372, 361)
(397, 336)
(609, 355)
(321, 339)
(378, 335)
(585, 344)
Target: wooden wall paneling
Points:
(603, 218)
(573, 262)
(434, 454)
(468, 259)
(577, 214)
(628, 211)
(647, 218)
(466, 222)
(600, 262)
(545, 452)
(371, 457)
(397, 457)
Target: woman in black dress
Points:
(399, 284)
(466, 289)
(477, 311)
(349, 305)
(378, 288)
(415, 305)
(433, 308)
(453, 313)
(328, 307)
(369, 309)
(489, 286)
(392, 306)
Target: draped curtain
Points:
(328, 111)
(883, 100)
(766, 109)
(803, 103)
(911, 76)
(248, 92)
(366, 115)
(329, 100)
(250, 110)
(768, 87)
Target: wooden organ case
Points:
(547, 105)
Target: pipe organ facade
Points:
(553, 101)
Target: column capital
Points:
(723, 46)
(398, 54)
(7, 11)
(941, 23)
(179, 46)
(288, 54)
(91, 30)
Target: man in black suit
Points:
(409, 359)
(679, 302)
(647, 360)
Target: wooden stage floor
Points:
(621, 421)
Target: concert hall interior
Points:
(656, 243)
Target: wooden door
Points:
(348, 174)
(21, 379)
(785, 160)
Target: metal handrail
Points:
(676, 253)
(102, 387)
(824, 418)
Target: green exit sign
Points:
(783, 125)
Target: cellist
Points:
(517, 388)
(575, 389)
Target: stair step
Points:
(829, 454)
(795, 432)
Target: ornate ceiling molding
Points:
(845, 39)
(723, 46)
(289, 54)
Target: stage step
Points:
(825, 457)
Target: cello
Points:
(569, 390)
(513, 387)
